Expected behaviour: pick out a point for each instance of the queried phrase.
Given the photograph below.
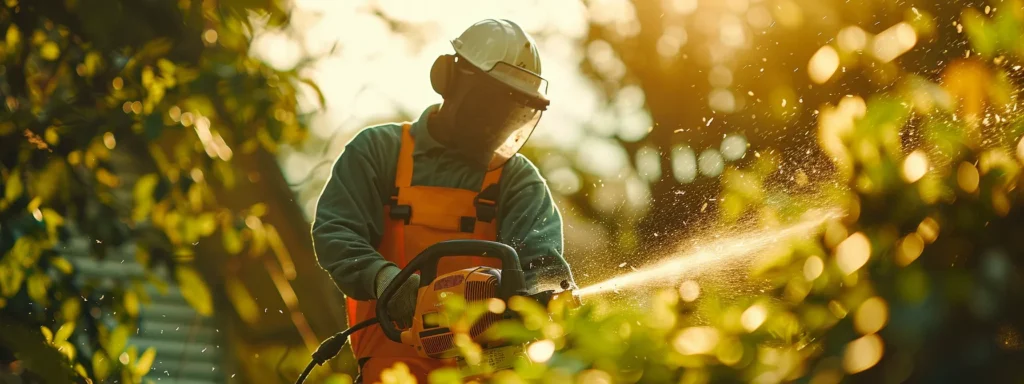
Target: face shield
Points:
(499, 112)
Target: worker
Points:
(454, 173)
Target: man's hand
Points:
(403, 304)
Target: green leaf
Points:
(232, 239)
(13, 36)
(131, 303)
(62, 265)
(100, 366)
(37, 284)
(206, 224)
(10, 280)
(145, 361)
(50, 51)
(118, 339)
(143, 193)
(14, 187)
(70, 309)
(258, 209)
(196, 293)
(47, 334)
(241, 299)
(80, 370)
(34, 204)
(64, 332)
(53, 221)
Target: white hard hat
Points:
(490, 41)
(500, 51)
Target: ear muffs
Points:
(441, 74)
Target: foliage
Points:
(680, 77)
(921, 280)
(124, 122)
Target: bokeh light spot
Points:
(872, 316)
(759, 17)
(837, 309)
(541, 351)
(967, 177)
(722, 100)
(685, 7)
(730, 351)
(928, 229)
(753, 317)
(893, 42)
(1020, 149)
(862, 354)
(853, 253)
(710, 163)
(684, 164)
(689, 290)
(734, 147)
(813, 267)
(910, 248)
(696, 340)
(109, 141)
(210, 36)
(496, 306)
(720, 76)
(915, 166)
(835, 233)
(852, 39)
(823, 64)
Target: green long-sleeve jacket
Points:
(349, 222)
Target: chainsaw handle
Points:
(513, 280)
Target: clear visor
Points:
(520, 124)
(526, 103)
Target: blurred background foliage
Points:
(160, 126)
(139, 125)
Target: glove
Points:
(402, 305)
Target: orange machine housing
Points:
(427, 335)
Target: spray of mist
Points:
(712, 255)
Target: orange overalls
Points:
(417, 217)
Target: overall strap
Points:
(485, 202)
(403, 174)
(401, 214)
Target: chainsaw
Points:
(427, 333)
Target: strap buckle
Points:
(486, 210)
(486, 203)
(399, 212)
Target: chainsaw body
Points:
(427, 334)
